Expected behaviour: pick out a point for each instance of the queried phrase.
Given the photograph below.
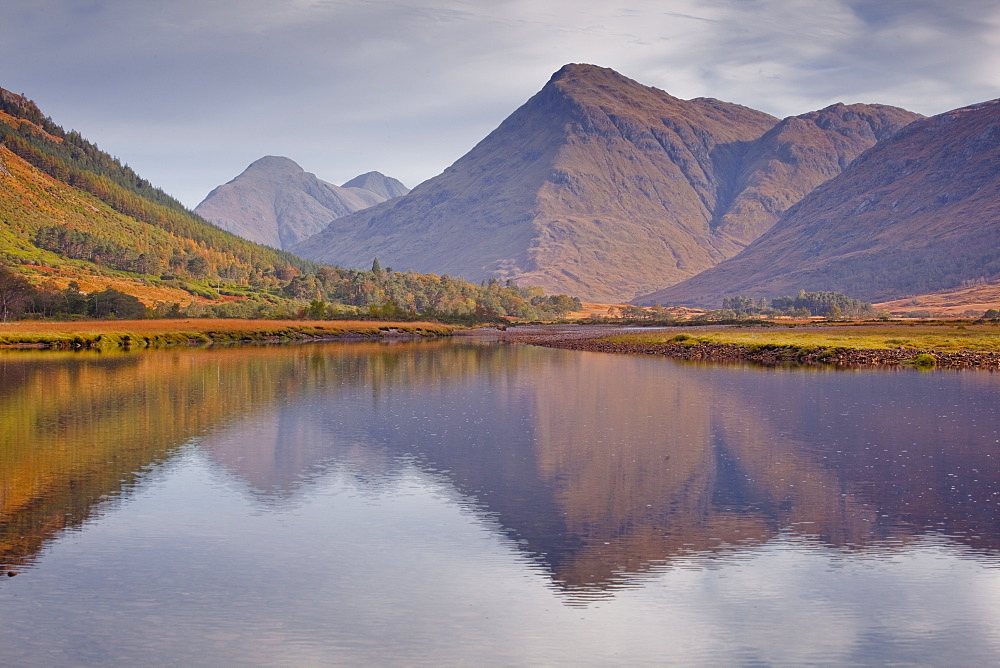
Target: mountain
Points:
(78, 229)
(918, 213)
(379, 184)
(277, 203)
(602, 187)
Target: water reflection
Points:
(601, 468)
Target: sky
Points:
(189, 92)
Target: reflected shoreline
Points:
(601, 468)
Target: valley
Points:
(598, 187)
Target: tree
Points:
(740, 304)
(15, 292)
(376, 267)
(317, 310)
(197, 266)
(111, 303)
(72, 300)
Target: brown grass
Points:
(150, 295)
(952, 302)
(108, 335)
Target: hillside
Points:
(963, 301)
(797, 155)
(106, 214)
(75, 224)
(276, 203)
(605, 188)
(32, 202)
(919, 213)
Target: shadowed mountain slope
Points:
(275, 202)
(602, 187)
(798, 154)
(918, 213)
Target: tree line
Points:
(19, 297)
(331, 293)
(832, 305)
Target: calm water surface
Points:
(445, 503)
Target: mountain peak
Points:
(591, 82)
(277, 203)
(584, 70)
(377, 182)
(275, 164)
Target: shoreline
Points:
(618, 340)
(770, 347)
(106, 335)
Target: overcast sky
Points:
(189, 92)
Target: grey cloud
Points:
(190, 92)
(922, 55)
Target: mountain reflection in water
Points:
(600, 467)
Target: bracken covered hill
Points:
(69, 209)
(605, 188)
(918, 213)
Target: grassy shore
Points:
(923, 345)
(127, 334)
(942, 338)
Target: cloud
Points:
(788, 56)
(191, 92)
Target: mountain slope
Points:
(277, 203)
(918, 213)
(605, 188)
(798, 154)
(62, 198)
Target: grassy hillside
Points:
(159, 228)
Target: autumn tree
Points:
(15, 292)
